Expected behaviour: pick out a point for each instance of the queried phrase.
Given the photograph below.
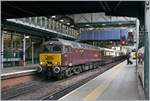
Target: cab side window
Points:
(67, 49)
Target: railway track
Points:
(19, 85)
(51, 89)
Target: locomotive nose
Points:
(50, 59)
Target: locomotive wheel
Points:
(87, 67)
(80, 68)
(83, 68)
(95, 66)
(76, 70)
(90, 66)
(68, 72)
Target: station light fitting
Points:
(87, 25)
(91, 28)
(68, 23)
(72, 26)
(53, 16)
(131, 30)
(103, 24)
(27, 37)
(120, 23)
(61, 20)
(4, 31)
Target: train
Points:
(61, 58)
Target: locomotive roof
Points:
(73, 44)
(111, 50)
(76, 44)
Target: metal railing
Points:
(48, 24)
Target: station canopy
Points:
(100, 13)
(18, 9)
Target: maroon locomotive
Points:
(62, 58)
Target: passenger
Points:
(128, 58)
(21, 57)
(142, 58)
(139, 58)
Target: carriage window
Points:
(56, 48)
(107, 53)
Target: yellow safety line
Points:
(100, 89)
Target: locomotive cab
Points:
(51, 55)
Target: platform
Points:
(17, 71)
(118, 83)
(140, 71)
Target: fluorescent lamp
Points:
(130, 30)
(27, 37)
(53, 16)
(61, 20)
(91, 28)
(72, 26)
(68, 23)
(120, 23)
(87, 25)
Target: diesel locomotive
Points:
(61, 58)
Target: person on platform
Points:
(21, 57)
(128, 59)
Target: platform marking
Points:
(19, 72)
(100, 89)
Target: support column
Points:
(1, 49)
(147, 50)
(24, 50)
(12, 50)
(32, 52)
(40, 21)
(137, 39)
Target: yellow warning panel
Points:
(51, 59)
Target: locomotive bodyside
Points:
(64, 58)
(79, 56)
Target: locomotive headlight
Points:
(41, 63)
